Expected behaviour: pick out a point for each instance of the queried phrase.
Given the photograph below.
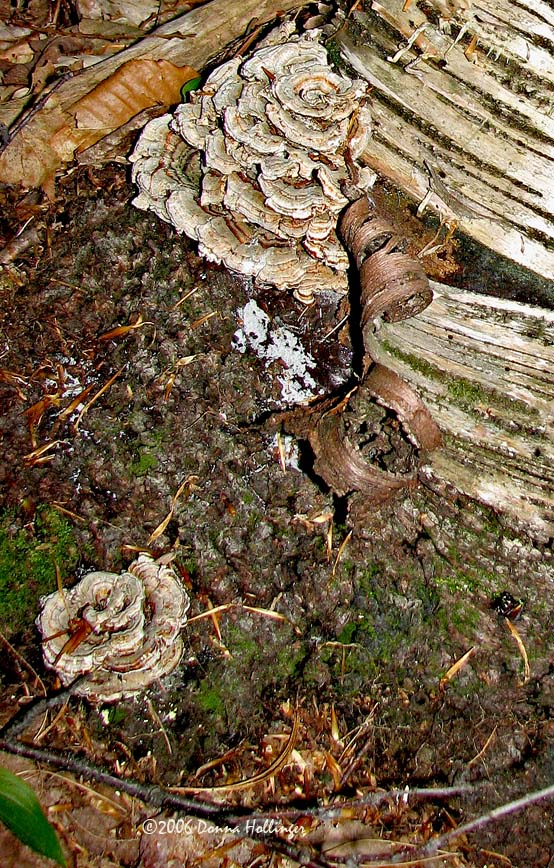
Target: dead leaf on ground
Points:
(35, 154)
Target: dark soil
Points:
(367, 630)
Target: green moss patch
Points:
(28, 559)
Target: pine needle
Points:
(522, 651)
(189, 485)
(340, 552)
(268, 773)
(455, 668)
(119, 331)
(98, 394)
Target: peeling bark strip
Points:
(463, 114)
(393, 284)
(391, 391)
(342, 466)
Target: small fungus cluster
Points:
(121, 632)
(259, 163)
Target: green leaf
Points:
(20, 811)
(189, 85)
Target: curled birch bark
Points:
(394, 285)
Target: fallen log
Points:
(463, 123)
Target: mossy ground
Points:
(369, 633)
(31, 558)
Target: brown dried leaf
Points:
(135, 86)
(30, 159)
(53, 136)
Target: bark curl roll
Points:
(391, 391)
(340, 463)
(394, 286)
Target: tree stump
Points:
(462, 108)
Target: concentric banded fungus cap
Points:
(279, 133)
(133, 622)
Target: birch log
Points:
(464, 114)
(485, 368)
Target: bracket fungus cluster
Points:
(259, 163)
(121, 632)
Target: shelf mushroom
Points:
(120, 631)
(259, 163)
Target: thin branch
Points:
(150, 793)
(160, 798)
(240, 820)
(495, 814)
(244, 823)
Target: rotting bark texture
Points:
(463, 124)
(463, 115)
(485, 369)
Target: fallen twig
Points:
(473, 825)
(243, 822)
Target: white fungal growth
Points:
(279, 135)
(120, 631)
(275, 343)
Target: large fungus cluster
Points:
(259, 163)
(118, 632)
